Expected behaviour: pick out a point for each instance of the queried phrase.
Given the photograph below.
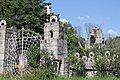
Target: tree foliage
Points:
(74, 47)
(105, 61)
(28, 13)
(73, 42)
(38, 58)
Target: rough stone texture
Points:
(97, 33)
(89, 64)
(48, 9)
(55, 41)
(2, 43)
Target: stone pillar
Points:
(89, 65)
(64, 67)
(2, 43)
(55, 39)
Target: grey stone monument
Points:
(55, 41)
(2, 43)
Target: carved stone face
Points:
(53, 19)
(2, 23)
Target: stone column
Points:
(2, 43)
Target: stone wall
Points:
(10, 49)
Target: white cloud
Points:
(80, 17)
(111, 32)
(64, 20)
(87, 17)
(83, 17)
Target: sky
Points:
(105, 13)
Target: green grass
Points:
(38, 74)
(92, 78)
(31, 77)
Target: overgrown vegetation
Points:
(73, 48)
(39, 75)
(31, 14)
(41, 60)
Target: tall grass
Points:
(90, 78)
(44, 74)
(33, 77)
(94, 78)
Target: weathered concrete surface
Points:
(2, 43)
(55, 41)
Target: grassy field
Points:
(38, 74)
(30, 77)
(94, 78)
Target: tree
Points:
(113, 44)
(38, 58)
(73, 42)
(28, 13)
(107, 61)
(74, 47)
